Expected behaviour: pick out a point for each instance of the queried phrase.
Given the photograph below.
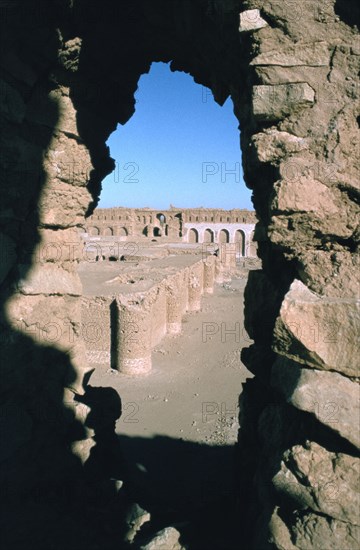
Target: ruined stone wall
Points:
(43, 361)
(201, 225)
(68, 73)
(300, 413)
(96, 328)
(121, 328)
(130, 223)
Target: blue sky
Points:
(179, 148)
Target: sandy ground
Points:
(192, 391)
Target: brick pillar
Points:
(132, 347)
(176, 301)
(195, 286)
(177, 298)
(209, 274)
(219, 277)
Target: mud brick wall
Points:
(96, 328)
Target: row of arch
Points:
(208, 236)
(223, 236)
(108, 232)
(123, 231)
(194, 236)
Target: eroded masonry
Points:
(68, 73)
(201, 225)
(126, 316)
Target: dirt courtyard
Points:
(192, 391)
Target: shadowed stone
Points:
(12, 106)
(332, 398)
(315, 531)
(276, 102)
(318, 332)
(7, 255)
(321, 480)
(166, 539)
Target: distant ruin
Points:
(200, 225)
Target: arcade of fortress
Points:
(200, 225)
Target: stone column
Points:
(158, 313)
(177, 298)
(209, 274)
(195, 286)
(133, 335)
(219, 277)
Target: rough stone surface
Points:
(272, 145)
(135, 519)
(166, 539)
(49, 279)
(276, 102)
(320, 480)
(331, 397)
(313, 531)
(314, 54)
(251, 20)
(317, 332)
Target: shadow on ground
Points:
(185, 484)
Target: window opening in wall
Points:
(155, 170)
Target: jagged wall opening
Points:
(69, 72)
(179, 143)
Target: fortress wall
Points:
(196, 225)
(122, 329)
(130, 224)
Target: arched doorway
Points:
(240, 240)
(157, 232)
(123, 233)
(208, 236)
(94, 231)
(193, 236)
(161, 217)
(108, 232)
(224, 236)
